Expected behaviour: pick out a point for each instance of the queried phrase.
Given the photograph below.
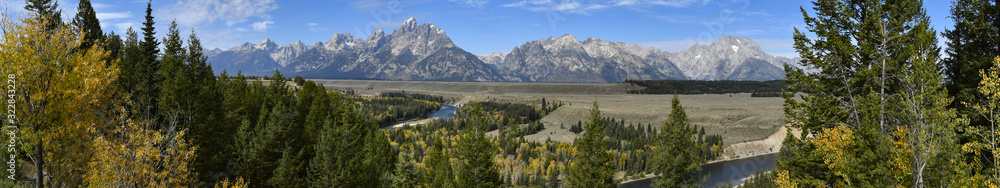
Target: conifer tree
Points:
(677, 163)
(593, 165)
(475, 152)
(206, 105)
(404, 175)
(350, 151)
(147, 69)
(972, 44)
(86, 21)
(47, 12)
(129, 79)
(175, 88)
(113, 44)
(437, 168)
(876, 81)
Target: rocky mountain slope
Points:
(411, 52)
(730, 58)
(566, 59)
(425, 52)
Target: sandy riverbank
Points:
(769, 145)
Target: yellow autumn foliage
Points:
(833, 144)
(136, 155)
(989, 108)
(61, 93)
(238, 183)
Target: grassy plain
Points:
(737, 117)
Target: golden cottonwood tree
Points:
(136, 154)
(989, 108)
(60, 94)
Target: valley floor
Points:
(749, 125)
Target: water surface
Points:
(725, 172)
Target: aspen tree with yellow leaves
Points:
(72, 120)
(60, 95)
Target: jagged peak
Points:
(376, 34)
(266, 41)
(409, 24)
(567, 37)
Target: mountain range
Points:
(425, 52)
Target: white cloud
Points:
(674, 3)
(198, 12)
(122, 27)
(368, 4)
(261, 26)
(471, 3)
(574, 6)
(569, 6)
(113, 15)
(312, 26)
(100, 5)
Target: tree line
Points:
(705, 86)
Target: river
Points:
(724, 172)
(446, 112)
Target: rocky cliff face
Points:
(730, 58)
(425, 52)
(412, 52)
(566, 59)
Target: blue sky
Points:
(478, 26)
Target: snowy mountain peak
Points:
(267, 44)
(729, 58)
(377, 33)
(409, 24)
(567, 38)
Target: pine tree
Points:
(437, 169)
(113, 44)
(972, 44)
(593, 165)
(174, 88)
(405, 174)
(677, 162)
(147, 69)
(47, 11)
(476, 153)
(350, 151)
(877, 62)
(86, 21)
(208, 115)
(129, 79)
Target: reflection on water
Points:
(447, 112)
(723, 173)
